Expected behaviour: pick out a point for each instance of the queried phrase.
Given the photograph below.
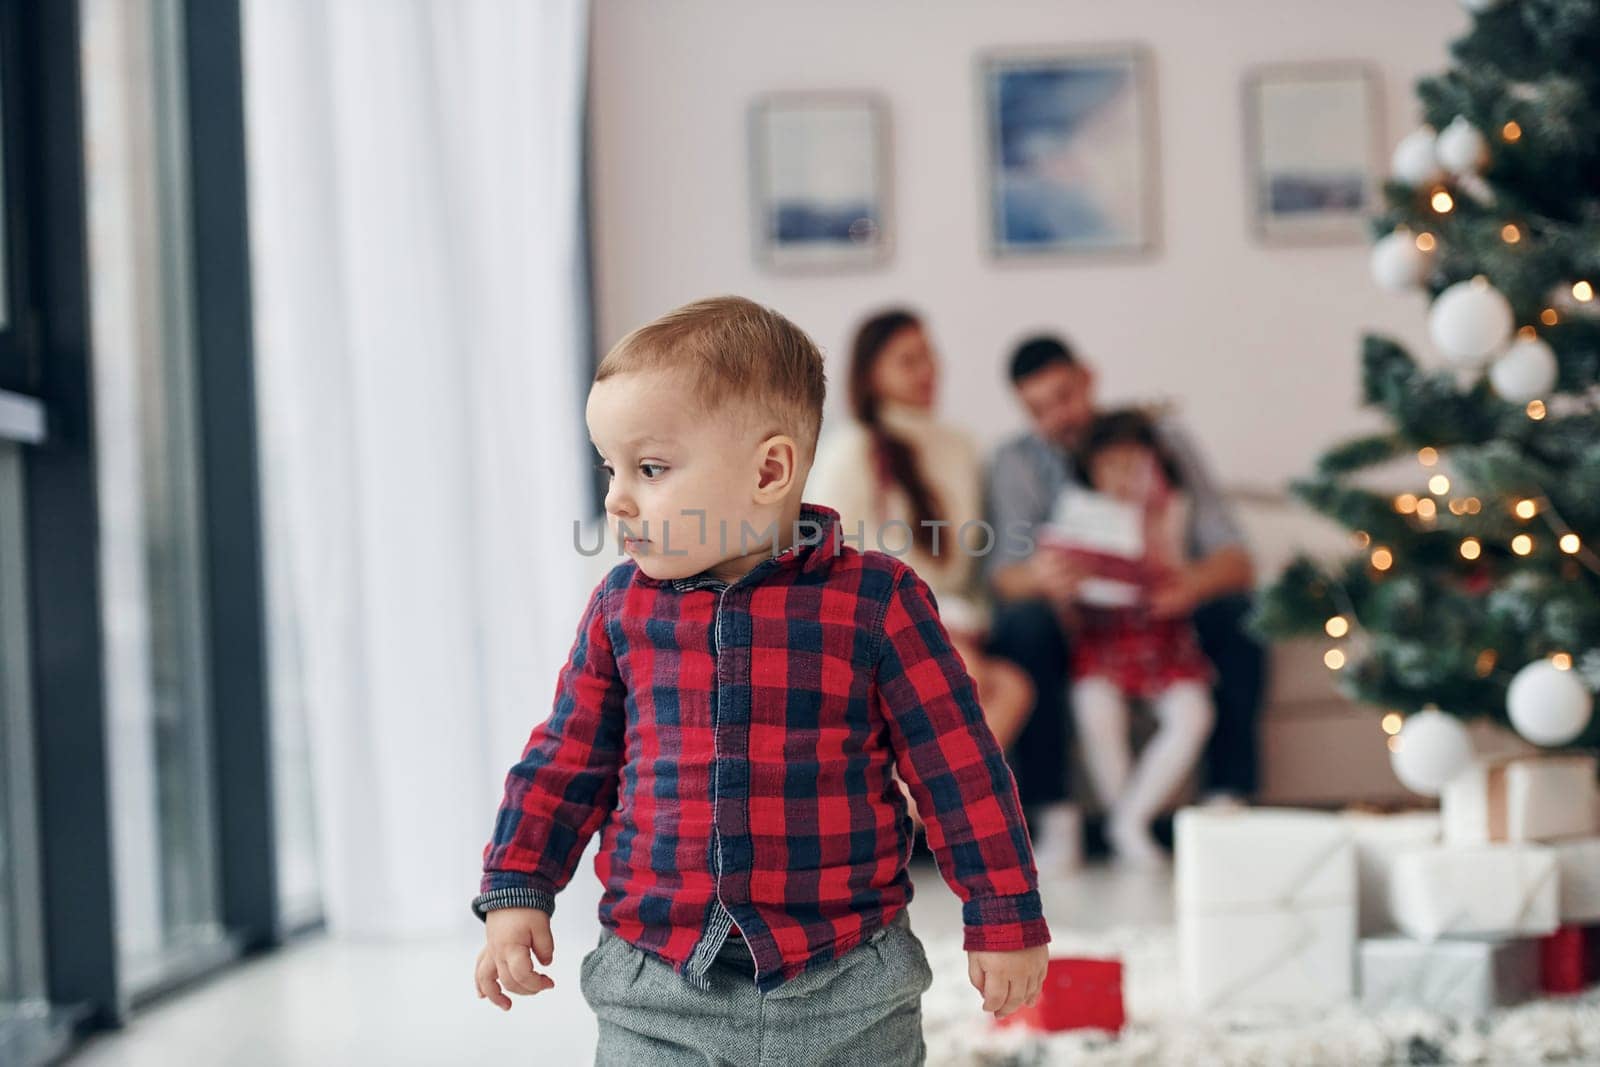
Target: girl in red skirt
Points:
(1122, 652)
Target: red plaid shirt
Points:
(740, 737)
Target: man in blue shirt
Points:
(1026, 475)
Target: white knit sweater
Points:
(844, 477)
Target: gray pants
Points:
(863, 1008)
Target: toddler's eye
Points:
(652, 471)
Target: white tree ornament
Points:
(1547, 705)
(1431, 749)
(1462, 147)
(1527, 371)
(1470, 321)
(1397, 262)
(1415, 160)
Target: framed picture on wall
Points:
(1312, 143)
(820, 188)
(1070, 155)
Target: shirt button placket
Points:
(720, 921)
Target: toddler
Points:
(740, 694)
(1120, 653)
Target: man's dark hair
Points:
(1039, 352)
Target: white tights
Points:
(1134, 795)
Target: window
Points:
(26, 1021)
(25, 1016)
(153, 564)
(146, 663)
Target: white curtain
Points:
(415, 225)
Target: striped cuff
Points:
(484, 903)
(1004, 924)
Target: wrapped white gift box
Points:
(1578, 870)
(1105, 537)
(1482, 891)
(1545, 798)
(1266, 907)
(1378, 839)
(1454, 977)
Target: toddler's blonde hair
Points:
(734, 350)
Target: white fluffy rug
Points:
(1159, 1031)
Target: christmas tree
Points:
(1484, 572)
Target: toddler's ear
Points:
(778, 468)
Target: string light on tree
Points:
(1382, 559)
(1406, 503)
(1485, 662)
(1525, 509)
(1570, 543)
(1549, 317)
(1337, 626)
(1392, 722)
(1561, 661)
(1334, 659)
(1471, 548)
(1438, 485)
(1573, 299)
(1427, 509)
(1522, 545)
(1536, 410)
(1510, 234)
(1442, 202)
(1428, 456)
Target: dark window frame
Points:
(62, 524)
(62, 506)
(18, 334)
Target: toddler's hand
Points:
(512, 933)
(1008, 980)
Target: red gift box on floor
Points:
(1569, 959)
(1077, 994)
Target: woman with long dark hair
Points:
(908, 482)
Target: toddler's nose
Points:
(619, 506)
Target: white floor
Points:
(331, 1001)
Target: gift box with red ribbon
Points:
(1078, 994)
(1569, 959)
